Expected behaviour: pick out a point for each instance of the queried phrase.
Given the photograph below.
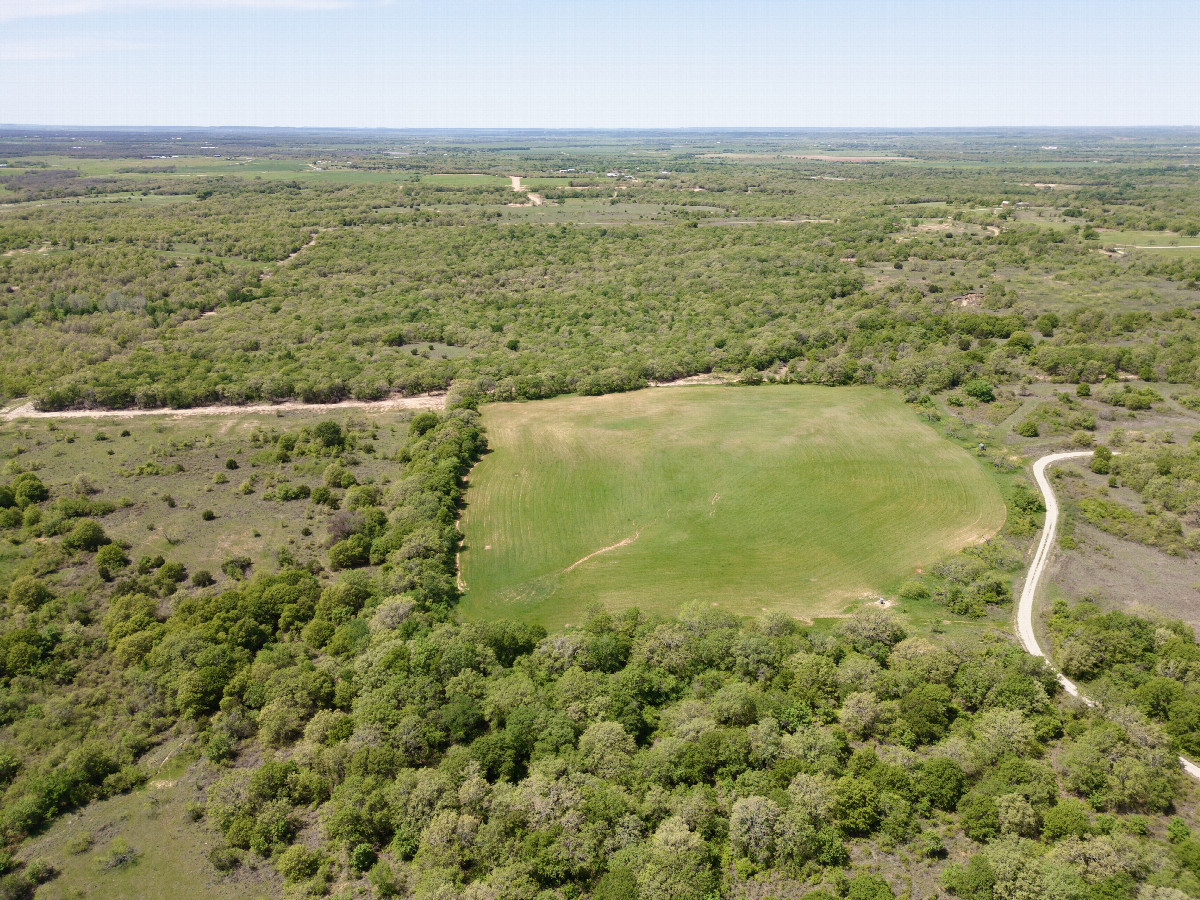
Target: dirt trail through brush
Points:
(420, 401)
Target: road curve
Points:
(1040, 558)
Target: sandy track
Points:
(532, 199)
(419, 401)
(617, 545)
(1040, 558)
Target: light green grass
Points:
(798, 498)
(457, 180)
(172, 851)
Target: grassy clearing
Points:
(168, 470)
(166, 850)
(801, 498)
(457, 180)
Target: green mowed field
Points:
(799, 498)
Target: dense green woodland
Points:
(353, 733)
(356, 734)
(753, 265)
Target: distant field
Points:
(794, 497)
(589, 212)
(454, 180)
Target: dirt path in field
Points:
(1041, 557)
(624, 543)
(420, 401)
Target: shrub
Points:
(28, 592)
(351, 553)
(83, 485)
(914, 590)
(110, 558)
(324, 496)
(1101, 460)
(980, 817)
(28, 489)
(1069, 818)
(208, 515)
(329, 434)
(981, 390)
(203, 578)
(1028, 428)
(422, 423)
(87, 536)
(361, 858)
(297, 863)
(237, 567)
(171, 573)
(337, 476)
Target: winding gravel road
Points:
(1040, 558)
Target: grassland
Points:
(162, 473)
(152, 829)
(793, 497)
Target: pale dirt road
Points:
(532, 199)
(26, 410)
(1041, 556)
(419, 401)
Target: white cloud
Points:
(12, 10)
(66, 47)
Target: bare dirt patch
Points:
(624, 543)
(692, 380)
(396, 402)
(1130, 577)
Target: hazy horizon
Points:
(534, 65)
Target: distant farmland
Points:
(792, 497)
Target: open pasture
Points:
(799, 498)
(465, 181)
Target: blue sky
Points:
(657, 63)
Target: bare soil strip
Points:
(420, 401)
(624, 543)
(1041, 556)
